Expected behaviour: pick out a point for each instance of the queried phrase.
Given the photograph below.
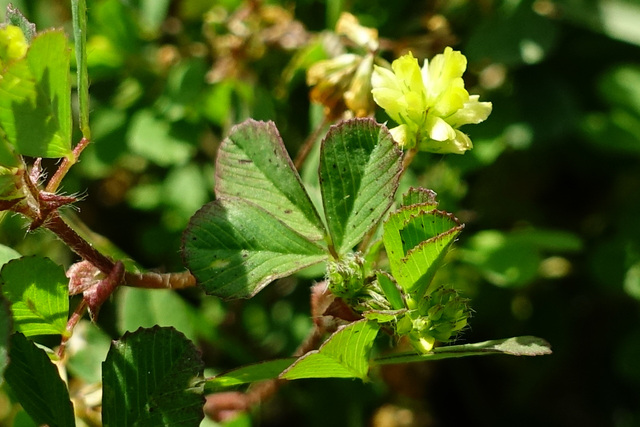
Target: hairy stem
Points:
(64, 167)
(77, 244)
(152, 280)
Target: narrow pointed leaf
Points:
(152, 377)
(234, 248)
(79, 18)
(248, 374)
(416, 241)
(516, 346)
(35, 382)
(35, 98)
(253, 164)
(390, 289)
(359, 171)
(344, 355)
(37, 289)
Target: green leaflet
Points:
(359, 171)
(253, 164)
(150, 378)
(344, 355)
(416, 238)
(37, 289)
(234, 248)
(35, 98)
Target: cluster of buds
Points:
(346, 276)
(436, 317)
(440, 316)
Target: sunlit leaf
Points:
(344, 355)
(234, 248)
(359, 171)
(253, 164)
(416, 238)
(150, 378)
(35, 382)
(37, 289)
(35, 98)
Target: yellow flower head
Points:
(429, 104)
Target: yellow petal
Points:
(399, 134)
(439, 130)
(384, 78)
(408, 74)
(445, 71)
(473, 112)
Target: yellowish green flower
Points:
(13, 44)
(429, 104)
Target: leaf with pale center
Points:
(253, 164)
(344, 355)
(516, 346)
(152, 377)
(35, 98)
(416, 238)
(360, 167)
(37, 289)
(235, 248)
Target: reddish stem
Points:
(77, 244)
(71, 324)
(152, 280)
(66, 164)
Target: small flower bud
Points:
(13, 44)
(346, 276)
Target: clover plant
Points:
(380, 250)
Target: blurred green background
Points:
(550, 195)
